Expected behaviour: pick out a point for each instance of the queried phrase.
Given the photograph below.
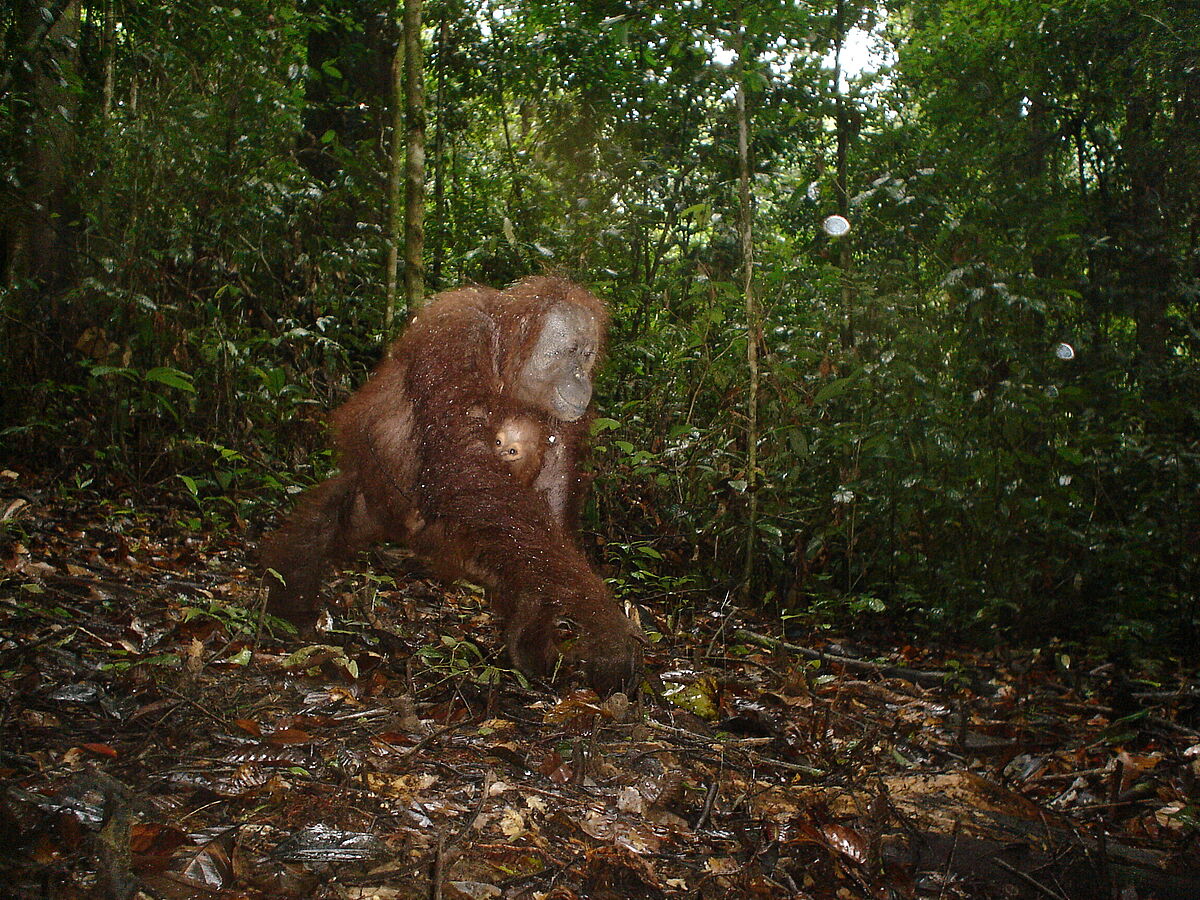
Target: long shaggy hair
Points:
(415, 446)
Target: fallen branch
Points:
(915, 676)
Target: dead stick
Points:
(450, 849)
(438, 874)
(925, 679)
(488, 779)
(709, 798)
(1028, 879)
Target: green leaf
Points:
(172, 378)
(162, 659)
(770, 529)
(699, 697)
(835, 388)
(101, 371)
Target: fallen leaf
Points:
(289, 736)
(721, 865)
(630, 801)
(512, 823)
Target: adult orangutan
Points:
(417, 451)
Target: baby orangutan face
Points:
(519, 443)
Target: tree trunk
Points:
(439, 154)
(38, 232)
(414, 188)
(841, 183)
(753, 325)
(1150, 267)
(40, 237)
(109, 54)
(395, 219)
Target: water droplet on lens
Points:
(836, 226)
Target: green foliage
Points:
(313, 656)
(458, 658)
(237, 620)
(1023, 178)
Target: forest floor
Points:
(156, 740)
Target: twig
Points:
(1182, 693)
(429, 739)
(1028, 879)
(1067, 776)
(190, 702)
(26, 648)
(708, 651)
(709, 798)
(488, 779)
(741, 745)
(925, 679)
(449, 849)
(438, 857)
(767, 761)
(948, 868)
(680, 733)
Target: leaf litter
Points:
(156, 739)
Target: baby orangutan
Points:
(519, 442)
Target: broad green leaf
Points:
(172, 378)
(835, 388)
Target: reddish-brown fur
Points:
(521, 444)
(416, 446)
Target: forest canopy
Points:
(978, 409)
